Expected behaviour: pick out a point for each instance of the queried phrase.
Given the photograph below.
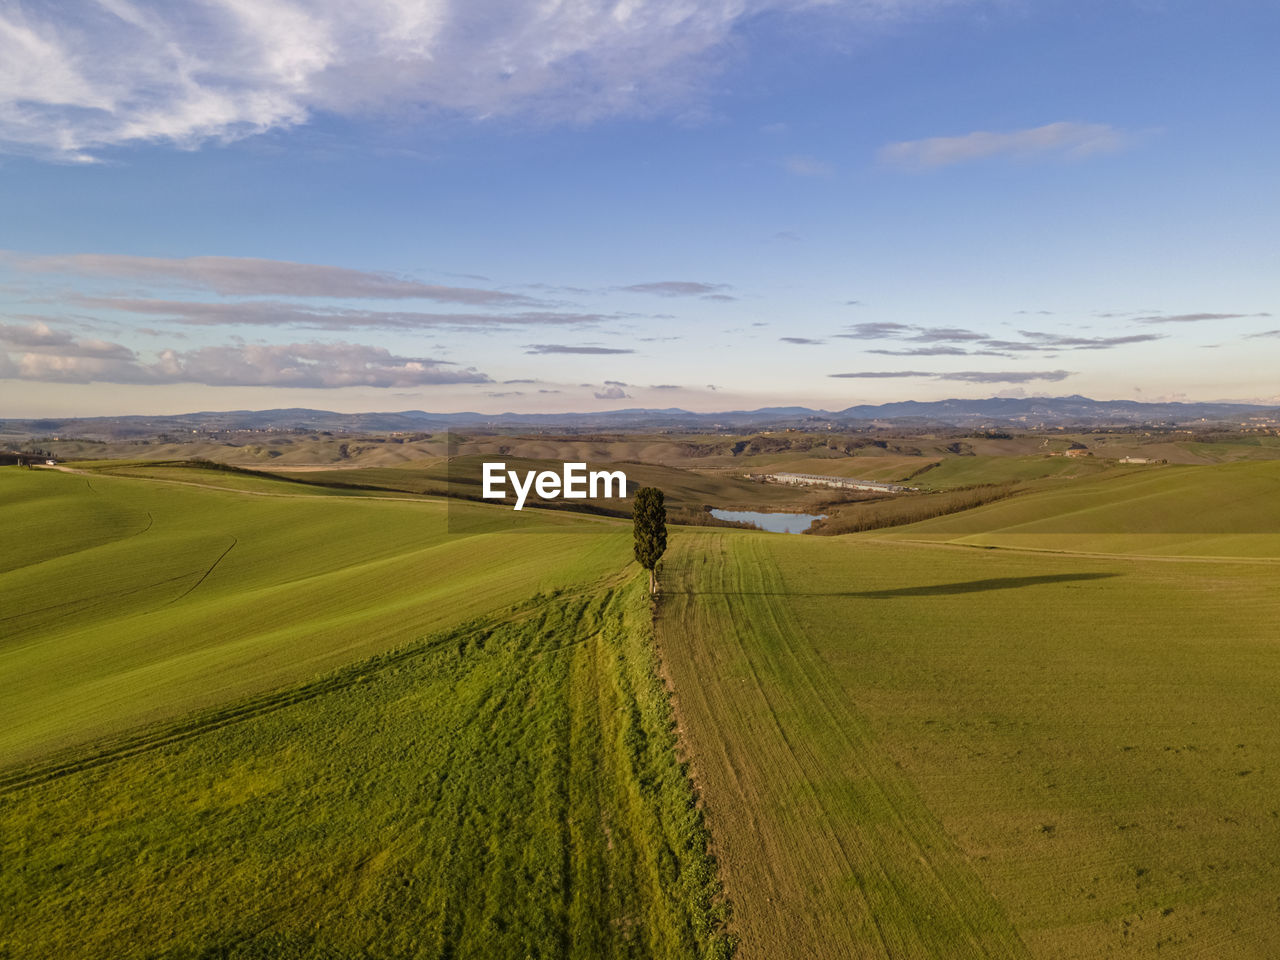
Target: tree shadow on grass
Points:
(929, 590)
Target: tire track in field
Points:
(205, 575)
(91, 601)
(152, 738)
(853, 860)
(961, 888)
(887, 849)
(758, 870)
(171, 734)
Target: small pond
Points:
(774, 522)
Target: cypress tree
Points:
(650, 520)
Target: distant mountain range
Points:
(994, 412)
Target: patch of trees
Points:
(706, 449)
(896, 511)
(925, 469)
(690, 517)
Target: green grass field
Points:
(1230, 509)
(964, 471)
(509, 789)
(943, 752)
(246, 718)
(131, 600)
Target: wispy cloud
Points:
(543, 348)
(248, 276)
(1004, 376)
(84, 74)
(680, 288)
(40, 338)
(943, 351)
(945, 335)
(881, 374)
(1198, 317)
(1043, 342)
(1090, 343)
(876, 331)
(1264, 333)
(283, 314)
(942, 340)
(962, 376)
(308, 365)
(910, 332)
(1062, 139)
(315, 365)
(803, 341)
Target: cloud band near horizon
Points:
(961, 376)
(313, 365)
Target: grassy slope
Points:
(926, 751)
(129, 600)
(243, 479)
(268, 451)
(964, 471)
(507, 790)
(1221, 510)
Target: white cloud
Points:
(1198, 317)
(586, 350)
(83, 74)
(308, 365)
(678, 288)
(314, 365)
(39, 338)
(282, 314)
(1066, 139)
(251, 275)
(961, 376)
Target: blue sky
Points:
(385, 204)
